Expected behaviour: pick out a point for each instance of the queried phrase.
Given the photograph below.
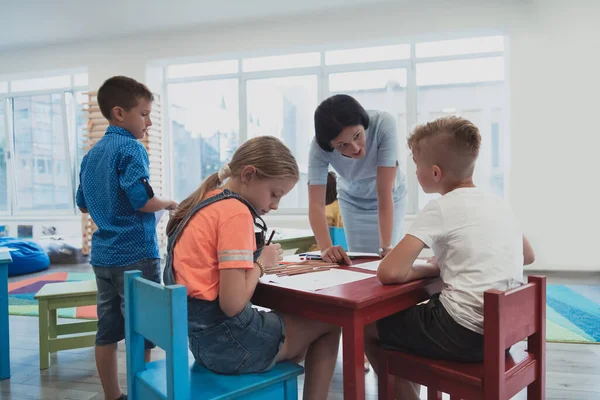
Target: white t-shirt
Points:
(479, 246)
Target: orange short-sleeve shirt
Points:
(219, 236)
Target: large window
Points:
(237, 99)
(204, 130)
(383, 90)
(472, 87)
(40, 125)
(284, 108)
(4, 157)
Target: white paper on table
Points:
(350, 254)
(313, 281)
(158, 215)
(358, 254)
(373, 265)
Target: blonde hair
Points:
(450, 142)
(271, 158)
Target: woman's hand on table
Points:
(335, 254)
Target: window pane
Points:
(495, 139)
(77, 122)
(205, 129)
(3, 159)
(367, 54)
(80, 80)
(483, 103)
(377, 80)
(382, 90)
(202, 69)
(284, 108)
(81, 121)
(43, 174)
(3, 87)
(281, 62)
(51, 82)
(460, 71)
(460, 46)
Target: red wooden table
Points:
(351, 306)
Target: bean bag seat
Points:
(27, 256)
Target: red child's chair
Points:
(509, 317)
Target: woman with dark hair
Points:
(362, 147)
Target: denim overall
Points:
(245, 343)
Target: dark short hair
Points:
(333, 115)
(331, 188)
(121, 91)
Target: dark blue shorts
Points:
(110, 299)
(246, 343)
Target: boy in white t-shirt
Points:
(477, 243)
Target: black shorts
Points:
(428, 330)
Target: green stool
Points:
(64, 295)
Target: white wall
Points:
(553, 77)
(554, 100)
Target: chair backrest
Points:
(159, 314)
(510, 317)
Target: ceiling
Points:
(34, 23)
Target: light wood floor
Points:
(573, 371)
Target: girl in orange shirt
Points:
(213, 250)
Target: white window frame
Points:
(322, 72)
(5, 104)
(7, 101)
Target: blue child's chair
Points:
(159, 314)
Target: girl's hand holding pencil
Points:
(271, 255)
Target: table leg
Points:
(4, 332)
(43, 328)
(353, 353)
(52, 324)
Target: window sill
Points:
(34, 218)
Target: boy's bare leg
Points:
(403, 389)
(106, 364)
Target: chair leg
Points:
(290, 387)
(386, 381)
(433, 394)
(43, 328)
(535, 391)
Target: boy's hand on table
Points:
(431, 261)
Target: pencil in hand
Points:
(271, 237)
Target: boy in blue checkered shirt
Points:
(115, 189)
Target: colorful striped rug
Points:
(21, 293)
(573, 313)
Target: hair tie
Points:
(224, 173)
